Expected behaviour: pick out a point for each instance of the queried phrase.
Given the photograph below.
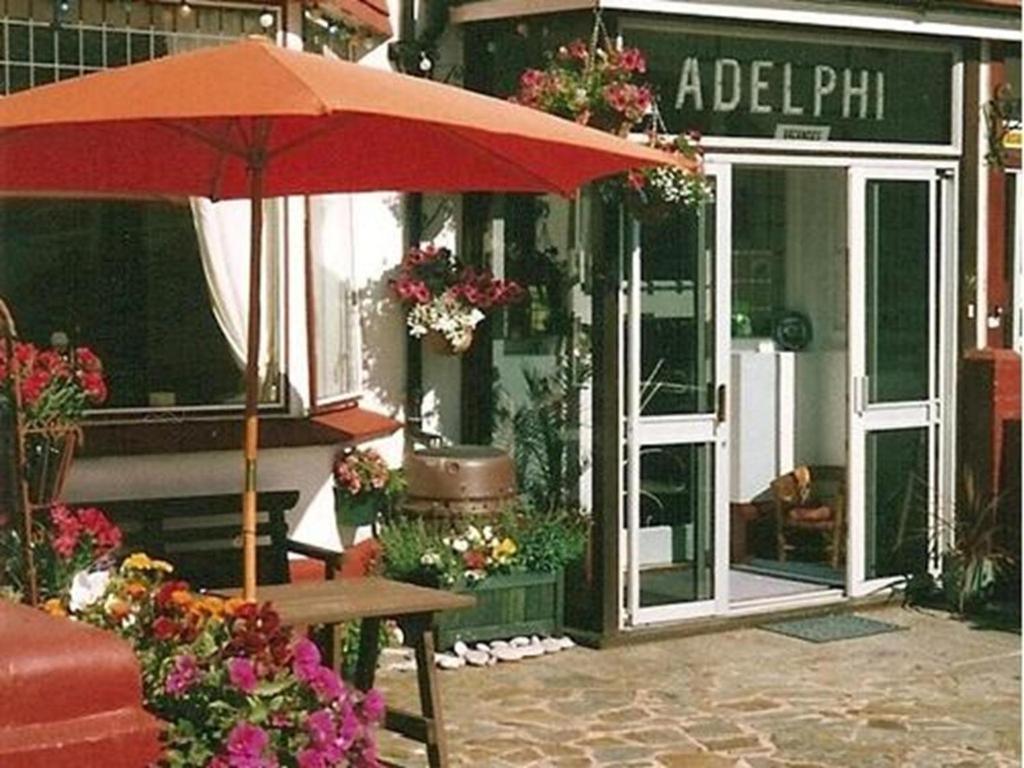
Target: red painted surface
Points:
(356, 561)
(70, 696)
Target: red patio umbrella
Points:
(251, 119)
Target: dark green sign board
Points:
(783, 89)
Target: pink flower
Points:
(183, 675)
(246, 745)
(373, 705)
(305, 659)
(311, 758)
(242, 673)
(327, 684)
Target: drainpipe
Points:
(413, 226)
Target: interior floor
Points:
(747, 585)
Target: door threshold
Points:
(754, 605)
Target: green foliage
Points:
(974, 562)
(407, 546)
(548, 541)
(539, 434)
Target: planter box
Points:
(506, 606)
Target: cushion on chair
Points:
(821, 514)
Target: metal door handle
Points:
(721, 401)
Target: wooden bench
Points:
(201, 535)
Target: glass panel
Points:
(677, 313)
(540, 346)
(676, 524)
(898, 307)
(896, 521)
(337, 329)
(124, 278)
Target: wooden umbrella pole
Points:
(257, 164)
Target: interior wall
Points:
(816, 284)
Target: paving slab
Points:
(939, 694)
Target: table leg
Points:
(430, 694)
(369, 648)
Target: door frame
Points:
(936, 412)
(698, 429)
(721, 163)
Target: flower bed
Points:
(513, 567)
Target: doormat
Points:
(837, 626)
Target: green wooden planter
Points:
(506, 606)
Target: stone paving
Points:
(939, 694)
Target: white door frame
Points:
(709, 429)
(928, 413)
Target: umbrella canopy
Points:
(254, 120)
(192, 124)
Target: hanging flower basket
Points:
(363, 483)
(445, 300)
(438, 343)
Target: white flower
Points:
(488, 532)
(460, 545)
(430, 559)
(473, 534)
(87, 588)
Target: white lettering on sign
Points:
(689, 85)
(824, 84)
(758, 84)
(771, 86)
(723, 104)
(788, 107)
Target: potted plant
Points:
(363, 483)
(445, 300)
(55, 386)
(512, 566)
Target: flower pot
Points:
(48, 455)
(438, 343)
(354, 511)
(647, 210)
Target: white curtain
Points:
(223, 232)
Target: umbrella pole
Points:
(252, 382)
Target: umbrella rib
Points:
(205, 137)
(333, 125)
(546, 182)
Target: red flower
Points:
(87, 360)
(94, 386)
(632, 60)
(474, 559)
(165, 628)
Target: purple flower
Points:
(183, 675)
(243, 674)
(246, 744)
(327, 684)
(373, 706)
(305, 660)
(321, 728)
(311, 758)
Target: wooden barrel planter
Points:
(506, 606)
(458, 484)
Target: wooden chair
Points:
(811, 500)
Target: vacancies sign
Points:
(781, 89)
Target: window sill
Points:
(352, 424)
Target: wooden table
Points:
(371, 599)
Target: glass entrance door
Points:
(897, 243)
(675, 551)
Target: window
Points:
(143, 283)
(335, 312)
